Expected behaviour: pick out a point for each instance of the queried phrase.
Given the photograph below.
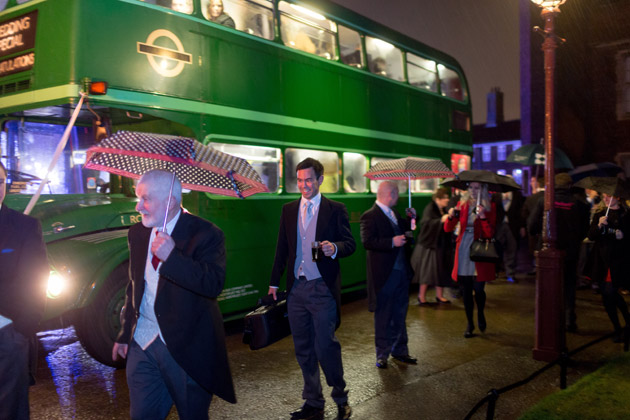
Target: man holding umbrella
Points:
(172, 331)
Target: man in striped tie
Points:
(384, 234)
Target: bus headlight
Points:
(56, 285)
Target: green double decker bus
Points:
(272, 81)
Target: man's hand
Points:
(162, 246)
(399, 240)
(119, 349)
(603, 221)
(618, 234)
(328, 248)
(272, 291)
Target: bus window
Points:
(27, 149)
(384, 59)
(451, 84)
(265, 160)
(308, 31)
(402, 185)
(350, 47)
(331, 168)
(424, 185)
(252, 16)
(354, 166)
(182, 6)
(421, 72)
(215, 11)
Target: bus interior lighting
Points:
(308, 12)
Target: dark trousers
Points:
(156, 381)
(509, 248)
(468, 285)
(14, 377)
(612, 301)
(390, 331)
(313, 316)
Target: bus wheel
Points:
(98, 324)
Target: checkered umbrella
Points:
(198, 167)
(407, 169)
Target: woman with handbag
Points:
(476, 216)
(608, 261)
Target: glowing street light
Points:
(550, 324)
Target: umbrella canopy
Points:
(494, 181)
(602, 169)
(534, 154)
(198, 167)
(407, 169)
(612, 186)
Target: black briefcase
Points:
(268, 323)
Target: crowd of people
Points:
(172, 332)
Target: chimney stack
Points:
(495, 107)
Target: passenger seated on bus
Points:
(304, 42)
(216, 14)
(379, 66)
(353, 59)
(183, 6)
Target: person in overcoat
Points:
(23, 279)
(172, 331)
(476, 216)
(388, 273)
(432, 258)
(608, 260)
(314, 286)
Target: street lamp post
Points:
(549, 342)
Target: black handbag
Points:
(484, 250)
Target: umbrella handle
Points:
(168, 203)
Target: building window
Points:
(501, 152)
(486, 154)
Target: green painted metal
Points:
(236, 88)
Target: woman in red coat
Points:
(477, 219)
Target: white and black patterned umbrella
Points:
(407, 169)
(198, 167)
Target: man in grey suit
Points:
(314, 286)
(388, 274)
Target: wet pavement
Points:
(452, 375)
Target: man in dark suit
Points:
(388, 274)
(314, 286)
(172, 333)
(23, 275)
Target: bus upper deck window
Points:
(384, 59)
(350, 47)
(254, 17)
(307, 30)
(450, 84)
(422, 72)
(264, 160)
(329, 160)
(354, 167)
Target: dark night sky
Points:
(481, 34)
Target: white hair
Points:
(160, 181)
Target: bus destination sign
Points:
(17, 35)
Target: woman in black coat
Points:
(610, 232)
(432, 259)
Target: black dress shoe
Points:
(308, 412)
(421, 303)
(406, 359)
(344, 411)
(442, 302)
(381, 363)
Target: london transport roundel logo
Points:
(162, 58)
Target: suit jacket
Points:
(185, 304)
(482, 229)
(332, 225)
(376, 234)
(23, 270)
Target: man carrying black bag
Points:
(314, 286)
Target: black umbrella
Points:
(534, 154)
(610, 185)
(495, 182)
(602, 169)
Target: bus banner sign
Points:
(18, 34)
